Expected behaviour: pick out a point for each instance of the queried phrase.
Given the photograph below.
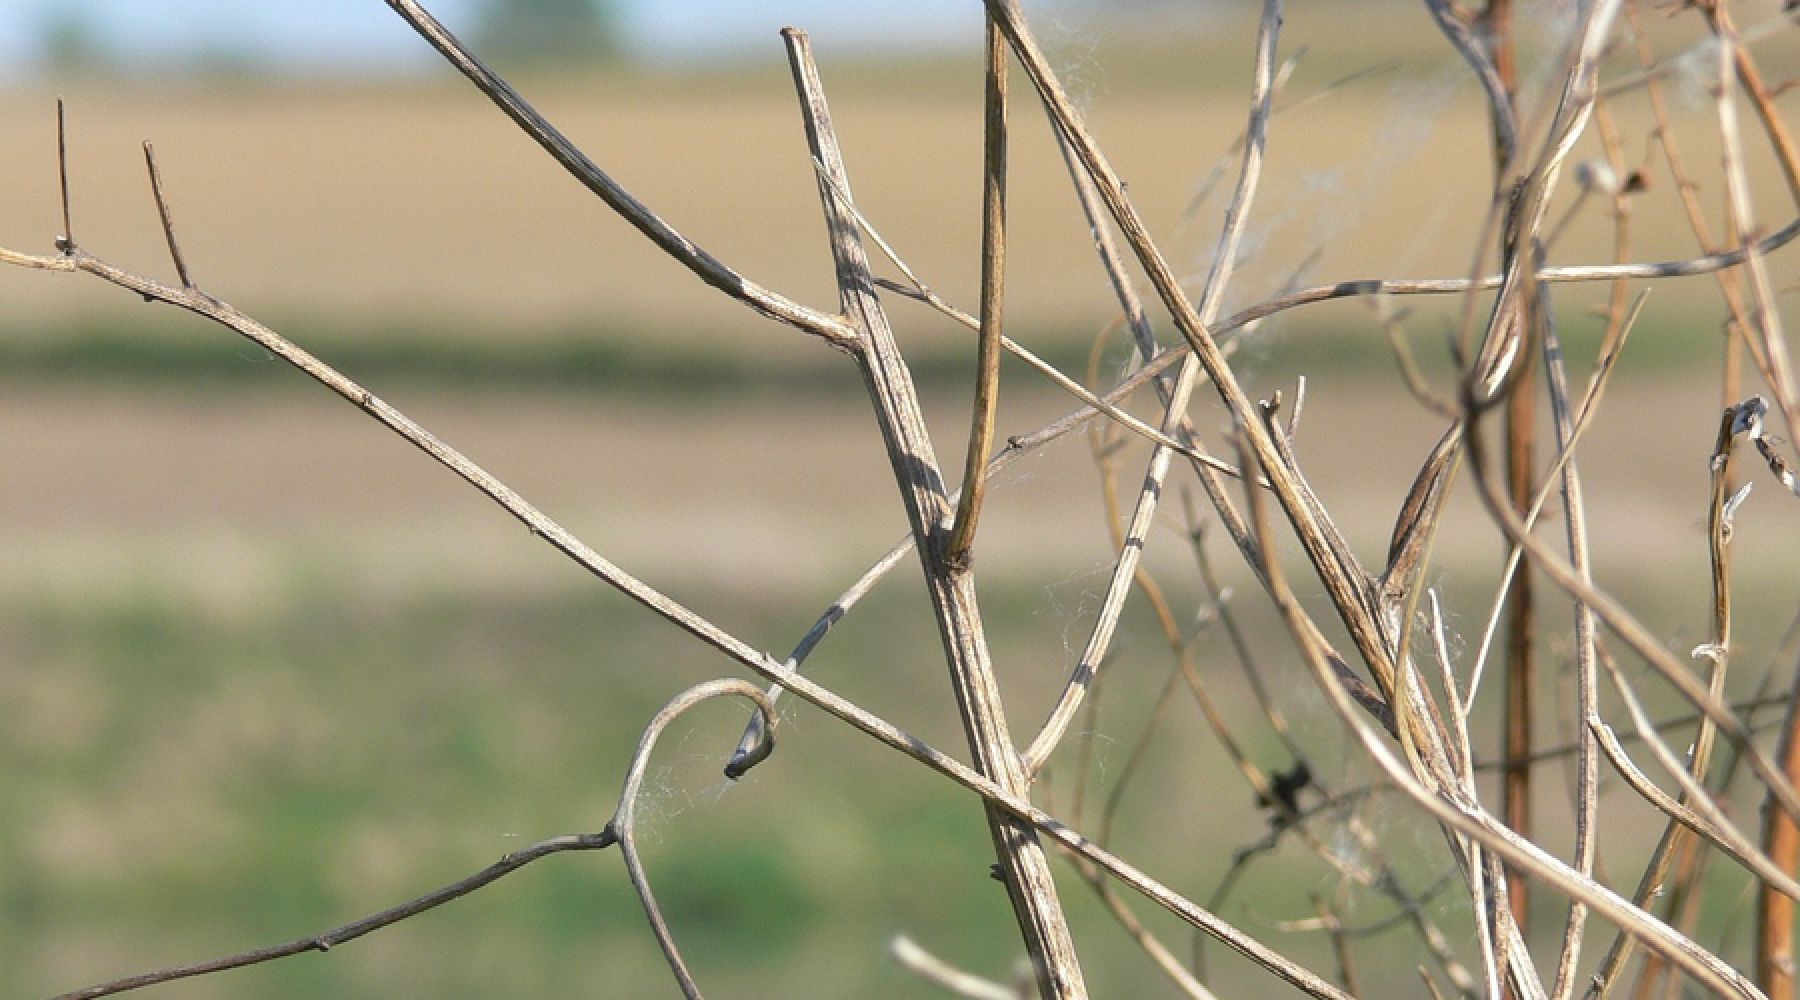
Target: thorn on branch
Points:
(1708, 651)
(65, 243)
(168, 223)
(1731, 508)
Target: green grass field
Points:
(286, 672)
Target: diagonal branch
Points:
(1455, 811)
(685, 251)
(357, 928)
(1349, 596)
(1083, 677)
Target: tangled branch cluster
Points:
(1394, 689)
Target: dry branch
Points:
(351, 931)
(1024, 866)
(200, 303)
(1412, 720)
(993, 275)
(683, 250)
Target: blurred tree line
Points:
(514, 33)
(547, 32)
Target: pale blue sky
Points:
(364, 35)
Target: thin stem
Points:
(623, 824)
(1696, 809)
(993, 274)
(1159, 953)
(162, 211)
(1589, 408)
(1466, 817)
(1587, 695)
(1766, 317)
(1083, 677)
(1674, 840)
(66, 242)
(1633, 632)
(828, 701)
(1023, 864)
(752, 747)
(934, 970)
(1521, 633)
(1781, 842)
(346, 933)
(708, 268)
(924, 293)
(1787, 152)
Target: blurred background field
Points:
(264, 668)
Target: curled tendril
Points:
(622, 823)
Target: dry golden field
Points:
(420, 203)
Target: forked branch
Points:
(1023, 864)
(684, 251)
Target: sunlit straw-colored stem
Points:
(993, 276)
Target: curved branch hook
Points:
(621, 824)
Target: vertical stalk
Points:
(1781, 838)
(1521, 660)
(1781, 842)
(993, 274)
(1521, 432)
(1023, 864)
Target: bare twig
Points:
(330, 939)
(1746, 707)
(1451, 809)
(993, 274)
(940, 973)
(623, 825)
(1159, 953)
(1106, 406)
(1496, 83)
(1695, 809)
(1718, 15)
(1023, 864)
(1587, 781)
(1588, 410)
(1765, 319)
(65, 243)
(1781, 842)
(752, 748)
(1735, 422)
(1348, 596)
(1634, 633)
(710, 269)
(1083, 676)
(1419, 738)
(162, 211)
(543, 527)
